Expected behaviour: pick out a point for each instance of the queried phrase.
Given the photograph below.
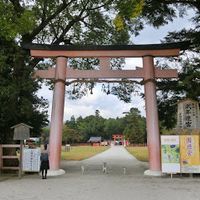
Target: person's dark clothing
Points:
(44, 166)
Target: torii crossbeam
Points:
(148, 73)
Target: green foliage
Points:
(123, 91)
(71, 123)
(15, 22)
(19, 102)
(82, 152)
(45, 135)
(71, 136)
(141, 153)
(88, 22)
(85, 22)
(135, 130)
(53, 22)
(127, 10)
(91, 126)
(187, 86)
(160, 13)
(132, 125)
(113, 126)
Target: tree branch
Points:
(67, 28)
(30, 37)
(70, 24)
(189, 2)
(17, 7)
(95, 8)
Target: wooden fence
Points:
(4, 157)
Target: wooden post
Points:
(153, 134)
(55, 141)
(20, 159)
(1, 160)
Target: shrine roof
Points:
(53, 47)
(21, 124)
(94, 139)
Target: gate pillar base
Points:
(55, 172)
(152, 173)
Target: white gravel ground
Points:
(93, 184)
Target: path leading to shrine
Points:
(96, 185)
(117, 160)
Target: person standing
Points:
(44, 159)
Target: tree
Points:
(132, 125)
(71, 123)
(91, 126)
(135, 130)
(53, 22)
(187, 86)
(45, 135)
(113, 126)
(157, 14)
(71, 135)
(188, 83)
(19, 102)
(97, 113)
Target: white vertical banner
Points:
(170, 154)
(31, 160)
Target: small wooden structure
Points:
(6, 157)
(21, 132)
(95, 141)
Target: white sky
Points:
(109, 105)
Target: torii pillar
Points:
(56, 125)
(152, 122)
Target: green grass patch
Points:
(82, 152)
(141, 153)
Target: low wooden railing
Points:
(9, 157)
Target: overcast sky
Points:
(108, 105)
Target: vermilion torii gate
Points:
(148, 73)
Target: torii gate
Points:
(148, 73)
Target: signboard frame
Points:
(31, 160)
(170, 154)
(189, 154)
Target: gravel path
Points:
(117, 159)
(93, 184)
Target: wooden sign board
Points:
(21, 131)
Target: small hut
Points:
(95, 141)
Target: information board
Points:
(31, 160)
(170, 153)
(189, 150)
(188, 116)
